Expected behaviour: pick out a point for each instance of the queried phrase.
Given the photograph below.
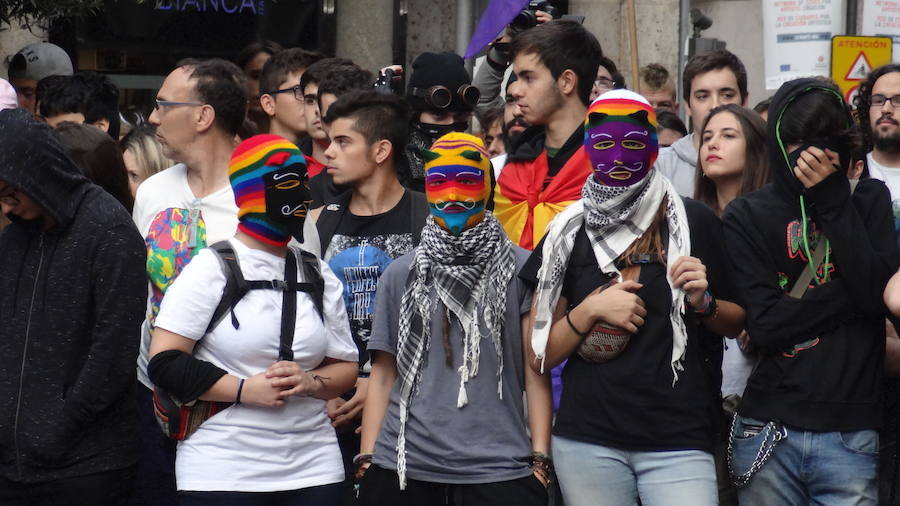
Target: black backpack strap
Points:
(312, 276)
(235, 285)
(288, 307)
(418, 212)
(330, 218)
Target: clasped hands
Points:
(281, 380)
(619, 305)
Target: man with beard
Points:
(878, 95)
(513, 122)
(881, 128)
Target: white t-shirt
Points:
(891, 178)
(175, 226)
(249, 448)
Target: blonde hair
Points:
(146, 150)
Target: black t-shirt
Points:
(323, 189)
(630, 402)
(361, 249)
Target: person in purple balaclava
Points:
(622, 292)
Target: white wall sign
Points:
(797, 38)
(881, 18)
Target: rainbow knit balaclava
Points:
(271, 188)
(620, 137)
(457, 181)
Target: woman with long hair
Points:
(733, 161)
(143, 155)
(733, 157)
(632, 288)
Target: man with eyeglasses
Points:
(179, 211)
(878, 107)
(878, 104)
(608, 78)
(281, 96)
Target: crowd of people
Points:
(276, 289)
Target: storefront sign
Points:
(254, 7)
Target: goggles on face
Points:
(440, 97)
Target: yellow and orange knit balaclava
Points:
(457, 181)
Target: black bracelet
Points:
(574, 329)
(240, 388)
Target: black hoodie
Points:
(72, 299)
(821, 355)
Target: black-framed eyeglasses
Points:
(169, 103)
(298, 92)
(879, 100)
(440, 97)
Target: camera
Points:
(385, 82)
(528, 17)
(697, 44)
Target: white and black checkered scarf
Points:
(469, 274)
(613, 218)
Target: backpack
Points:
(179, 420)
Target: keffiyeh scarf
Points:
(614, 217)
(469, 274)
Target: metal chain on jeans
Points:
(773, 430)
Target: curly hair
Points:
(863, 101)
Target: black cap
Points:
(433, 69)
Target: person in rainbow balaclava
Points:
(448, 353)
(262, 399)
(622, 292)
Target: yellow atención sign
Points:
(853, 57)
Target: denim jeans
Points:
(595, 475)
(819, 468)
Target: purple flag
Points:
(496, 16)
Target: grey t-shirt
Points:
(484, 441)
